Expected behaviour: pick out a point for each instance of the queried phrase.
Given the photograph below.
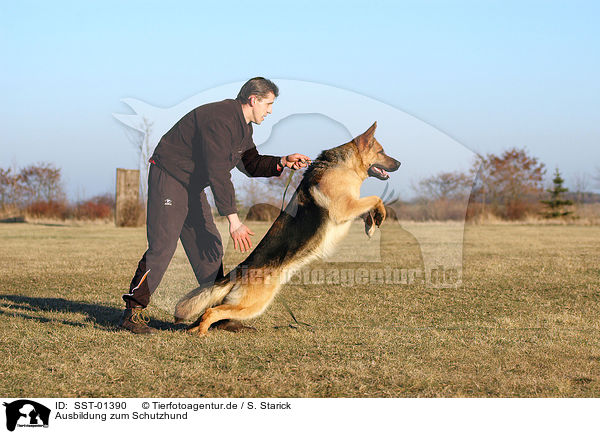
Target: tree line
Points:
(37, 190)
(507, 186)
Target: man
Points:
(198, 152)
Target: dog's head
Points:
(375, 160)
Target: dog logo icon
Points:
(26, 413)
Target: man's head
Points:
(257, 96)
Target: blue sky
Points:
(490, 74)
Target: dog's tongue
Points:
(383, 172)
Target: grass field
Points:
(524, 323)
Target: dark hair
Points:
(259, 86)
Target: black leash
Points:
(297, 323)
(287, 184)
(289, 181)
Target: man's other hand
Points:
(240, 233)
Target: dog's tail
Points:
(201, 298)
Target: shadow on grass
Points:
(103, 317)
(51, 225)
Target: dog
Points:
(318, 215)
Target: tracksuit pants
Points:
(175, 213)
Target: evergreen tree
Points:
(557, 205)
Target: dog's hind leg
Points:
(246, 301)
(218, 313)
(232, 325)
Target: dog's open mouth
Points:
(378, 172)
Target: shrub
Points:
(50, 209)
(131, 214)
(263, 212)
(98, 207)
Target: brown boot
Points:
(136, 321)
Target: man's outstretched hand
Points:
(240, 233)
(295, 161)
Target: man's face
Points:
(261, 107)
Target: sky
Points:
(490, 75)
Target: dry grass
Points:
(525, 322)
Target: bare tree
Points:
(253, 191)
(444, 186)
(270, 190)
(442, 196)
(42, 182)
(581, 183)
(596, 177)
(12, 190)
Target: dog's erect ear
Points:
(365, 138)
(371, 131)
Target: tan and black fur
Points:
(319, 214)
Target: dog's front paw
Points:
(379, 214)
(197, 330)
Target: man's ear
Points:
(366, 138)
(253, 100)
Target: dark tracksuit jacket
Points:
(199, 151)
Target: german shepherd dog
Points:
(319, 214)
